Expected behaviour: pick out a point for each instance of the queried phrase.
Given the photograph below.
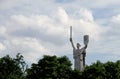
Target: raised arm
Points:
(85, 46)
(72, 43)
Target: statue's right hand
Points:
(70, 39)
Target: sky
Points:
(42, 27)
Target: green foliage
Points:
(76, 74)
(10, 68)
(98, 70)
(95, 71)
(53, 67)
(50, 67)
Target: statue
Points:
(79, 54)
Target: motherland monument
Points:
(79, 54)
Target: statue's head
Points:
(78, 45)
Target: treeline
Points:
(53, 67)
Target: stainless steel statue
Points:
(79, 54)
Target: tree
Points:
(117, 68)
(53, 67)
(64, 68)
(76, 74)
(10, 68)
(98, 70)
(95, 71)
(109, 66)
(50, 67)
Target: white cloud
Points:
(7, 4)
(86, 24)
(2, 47)
(31, 48)
(42, 27)
(62, 15)
(49, 33)
(116, 19)
(96, 4)
(86, 15)
(2, 30)
(50, 26)
(22, 20)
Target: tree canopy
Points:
(98, 70)
(50, 67)
(12, 68)
(53, 67)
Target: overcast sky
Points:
(41, 27)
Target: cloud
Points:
(31, 48)
(42, 27)
(86, 15)
(2, 31)
(6, 4)
(62, 15)
(37, 26)
(22, 20)
(38, 34)
(53, 26)
(116, 19)
(96, 4)
(87, 25)
(63, 1)
(2, 47)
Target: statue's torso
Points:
(78, 56)
(78, 53)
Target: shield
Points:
(86, 39)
